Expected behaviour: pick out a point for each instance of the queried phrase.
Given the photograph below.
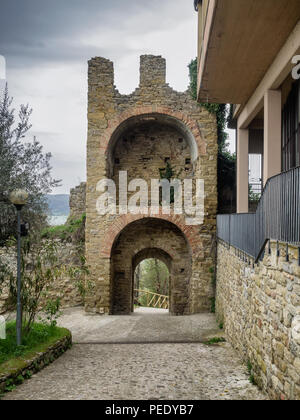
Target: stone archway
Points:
(150, 238)
(148, 128)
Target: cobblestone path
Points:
(163, 370)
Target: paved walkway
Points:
(171, 363)
(146, 325)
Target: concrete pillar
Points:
(272, 134)
(242, 171)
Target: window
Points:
(291, 130)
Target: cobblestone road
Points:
(141, 371)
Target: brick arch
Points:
(190, 233)
(158, 253)
(190, 124)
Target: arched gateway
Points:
(144, 135)
(150, 238)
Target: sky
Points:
(46, 45)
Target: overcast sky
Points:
(47, 45)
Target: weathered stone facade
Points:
(140, 133)
(64, 288)
(77, 201)
(260, 308)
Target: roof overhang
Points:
(241, 40)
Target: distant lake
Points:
(58, 209)
(57, 220)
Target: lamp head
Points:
(19, 197)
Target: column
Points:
(272, 134)
(242, 170)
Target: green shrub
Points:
(66, 231)
(41, 267)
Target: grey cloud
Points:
(47, 44)
(45, 31)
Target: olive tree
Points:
(23, 165)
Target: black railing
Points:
(277, 217)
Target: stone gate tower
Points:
(142, 133)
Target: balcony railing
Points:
(277, 217)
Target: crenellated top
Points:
(152, 71)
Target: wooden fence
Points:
(153, 300)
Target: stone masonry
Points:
(142, 133)
(260, 308)
(77, 201)
(63, 288)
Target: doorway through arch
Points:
(150, 238)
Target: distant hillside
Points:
(58, 204)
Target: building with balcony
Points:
(249, 56)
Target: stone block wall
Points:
(260, 307)
(64, 288)
(77, 201)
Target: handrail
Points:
(277, 217)
(155, 300)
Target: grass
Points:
(64, 231)
(215, 340)
(38, 340)
(250, 372)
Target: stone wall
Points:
(77, 201)
(140, 133)
(260, 307)
(146, 149)
(64, 288)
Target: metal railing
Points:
(277, 217)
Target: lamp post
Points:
(19, 199)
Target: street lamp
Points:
(19, 199)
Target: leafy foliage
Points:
(41, 267)
(253, 196)
(23, 166)
(169, 174)
(226, 161)
(152, 275)
(74, 229)
(51, 312)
